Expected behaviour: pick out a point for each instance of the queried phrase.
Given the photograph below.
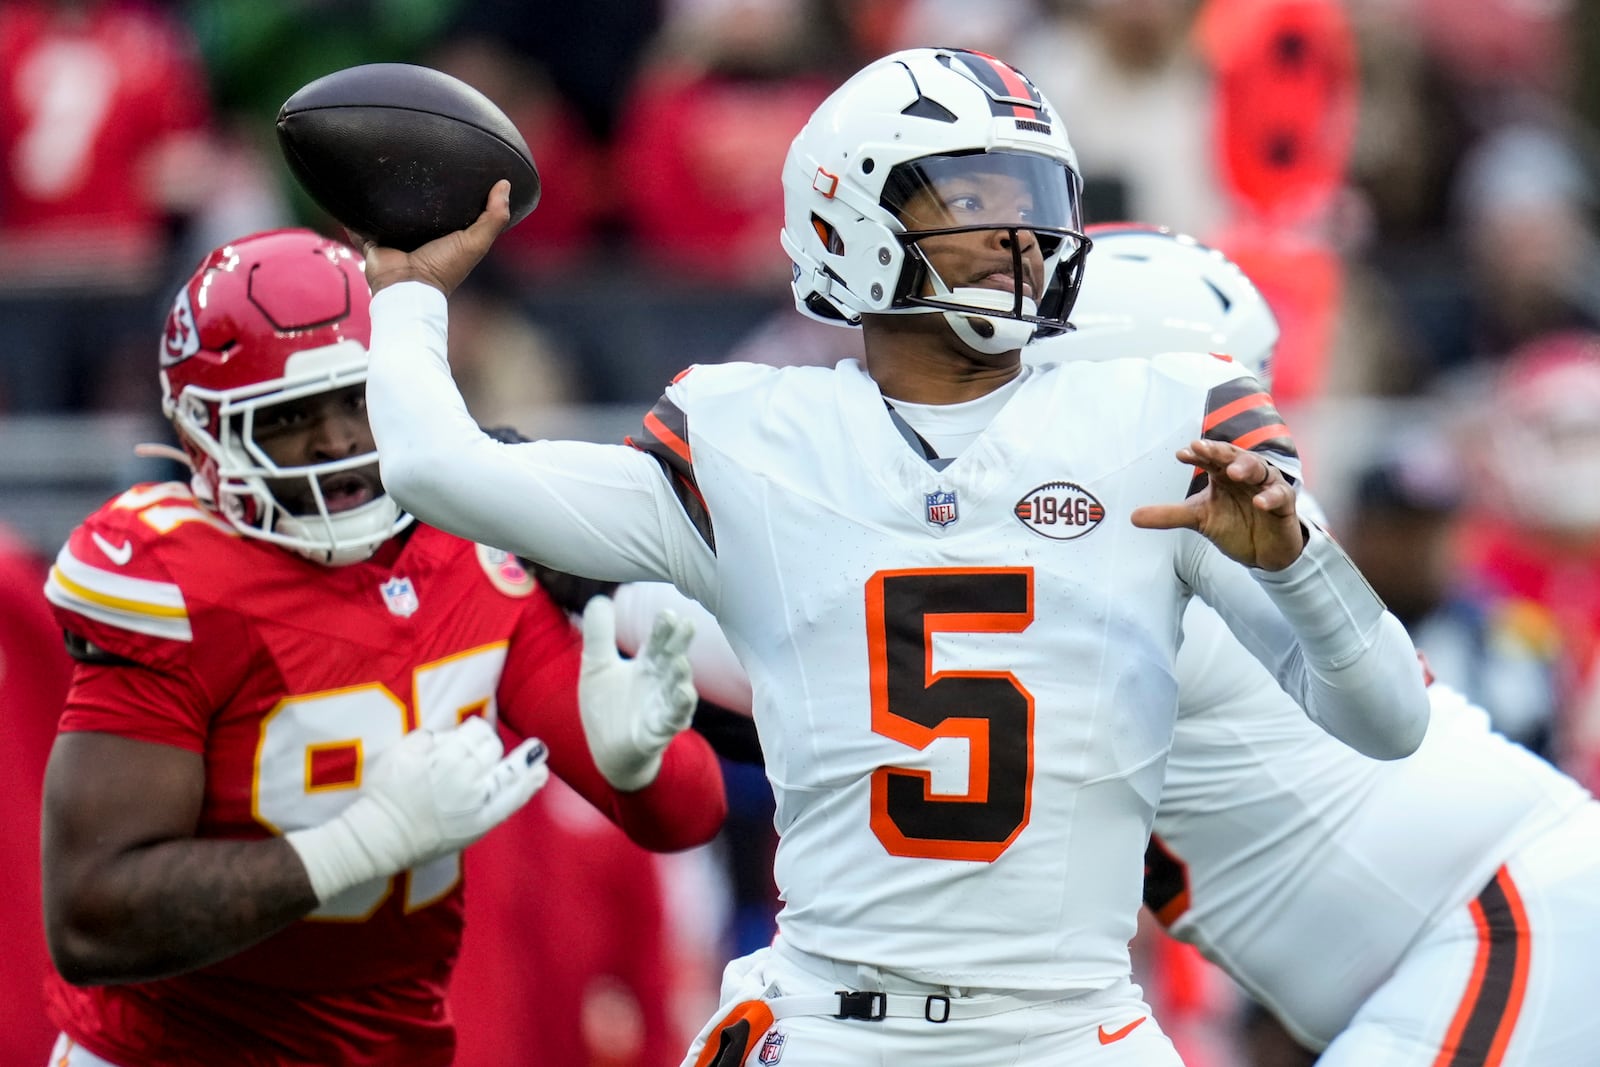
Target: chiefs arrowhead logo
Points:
(181, 340)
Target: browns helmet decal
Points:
(1010, 92)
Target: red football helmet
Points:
(1541, 434)
(272, 317)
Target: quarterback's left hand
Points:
(632, 709)
(1247, 508)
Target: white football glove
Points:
(633, 708)
(428, 795)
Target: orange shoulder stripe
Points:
(1229, 410)
(678, 445)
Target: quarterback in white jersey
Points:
(1436, 911)
(955, 583)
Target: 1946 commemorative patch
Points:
(1061, 511)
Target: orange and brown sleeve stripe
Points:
(1166, 882)
(1483, 1023)
(1241, 413)
(664, 436)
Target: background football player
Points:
(1435, 911)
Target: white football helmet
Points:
(265, 320)
(910, 123)
(1149, 290)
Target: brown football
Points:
(401, 153)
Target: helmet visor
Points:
(982, 222)
(975, 189)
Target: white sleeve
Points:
(717, 674)
(602, 511)
(1327, 638)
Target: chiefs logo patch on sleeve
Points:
(506, 572)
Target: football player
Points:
(1524, 621)
(955, 583)
(1436, 911)
(282, 730)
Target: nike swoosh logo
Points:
(118, 554)
(1117, 1035)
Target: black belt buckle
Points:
(940, 1001)
(871, 1006)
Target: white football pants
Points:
(1509, 980)
(780, 1006)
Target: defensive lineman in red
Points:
(278, 738)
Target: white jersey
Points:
(1306, 870)
(963, 677)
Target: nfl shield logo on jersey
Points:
(400, 597)
(941, 507)
(772, 1047)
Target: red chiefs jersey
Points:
(288, 676)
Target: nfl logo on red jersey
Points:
(400, 597)
(941, 507)
(772, 1047)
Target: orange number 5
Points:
(913, 704)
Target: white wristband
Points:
(426, 796)
(359, 845)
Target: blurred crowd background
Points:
(1413, 183)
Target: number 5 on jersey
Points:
(914, 704)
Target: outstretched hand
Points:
(1247, 508)
(443, 262)
(633, 708)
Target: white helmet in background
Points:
(1149, 290)
(912, 122)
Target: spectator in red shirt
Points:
(706, 127)
(104, 137)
